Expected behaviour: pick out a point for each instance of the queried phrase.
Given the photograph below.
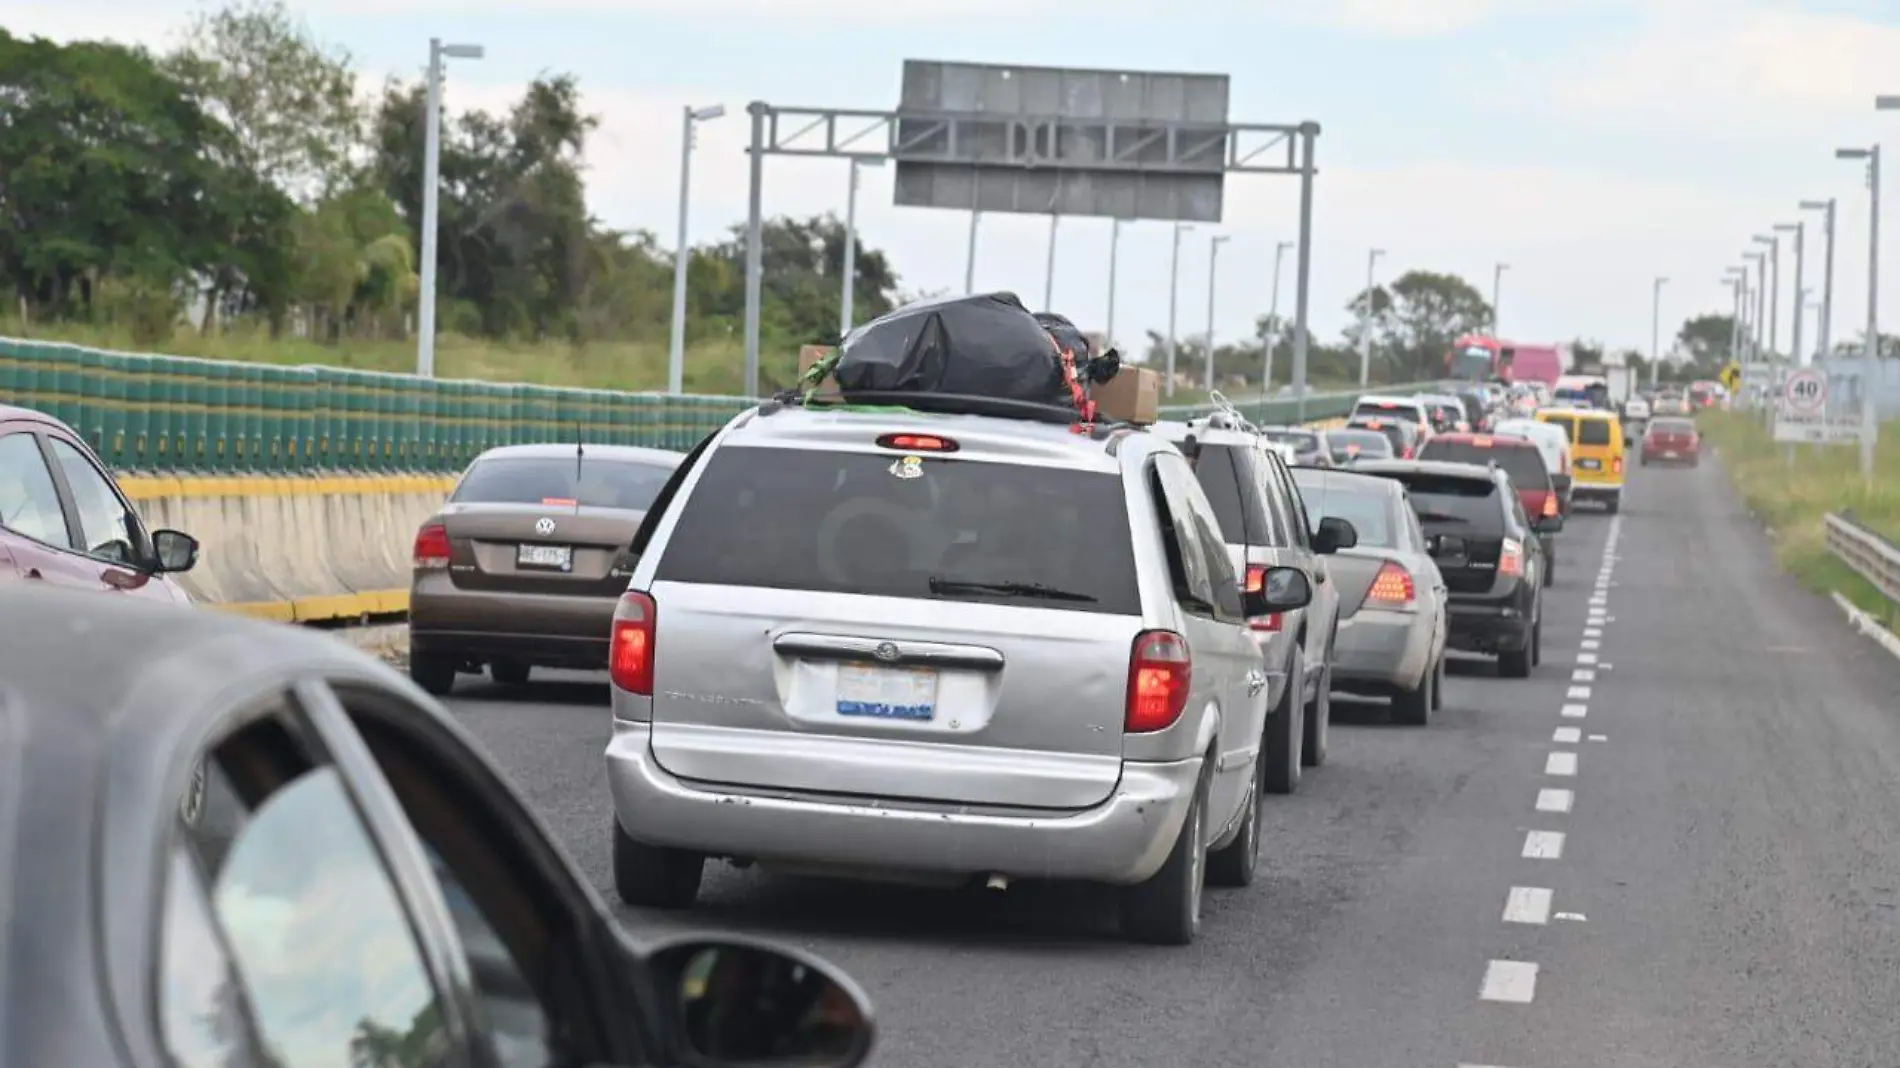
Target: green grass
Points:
(1792, 496)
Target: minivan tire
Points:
(655, 876)
(1286, 736)
(1165, 910)
(1236, 863)
(1414, 707)
(434, 672)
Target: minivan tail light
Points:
(1257, 581)
(1616, 465)
(1392, 586)
(432, 548)
(1159, 673)
(630, 654)
(1511, 559)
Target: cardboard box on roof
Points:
(1132, 396)
(808, 355)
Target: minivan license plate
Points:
(887, 693)
(559, 557)
(1589, 465)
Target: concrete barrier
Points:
(296, 549)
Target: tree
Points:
(1416, 319)
(1708, 340)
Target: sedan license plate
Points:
(887, 693)
(556, 557)
(1669, 455)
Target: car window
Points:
(29, 501)
(888, 524)
(286, 941)
(1523, 463)
(1195, 581)
(1288, 495)
(1565, 423)
(1454, 502)
(104, 520)
(1594, 432)
(1386, 410)
(596, 481)
(1672, 426)
(1222, 471)
(1220, 568)
(1370, 513)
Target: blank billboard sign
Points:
(1058, 140)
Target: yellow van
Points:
(1596, 453)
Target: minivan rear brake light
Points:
(630, 649)
(1256, 581)
(917, 443)
(432, 548)
(1159, 673)
(1616, 466)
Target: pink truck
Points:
(1477, 358)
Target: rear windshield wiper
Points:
(1442, 517)
(939, 584)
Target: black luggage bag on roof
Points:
(987, 345)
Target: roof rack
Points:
(945, 404)
(1225, 416)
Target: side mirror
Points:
(174, 550)
(1447, 546)
(1282, 589)
(1548, 524)
(1333, 535)
(729, 1002)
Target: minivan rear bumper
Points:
(1123, 840)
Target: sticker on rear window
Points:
(908, 467)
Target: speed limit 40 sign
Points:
(1805, 392)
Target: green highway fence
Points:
(147, 412)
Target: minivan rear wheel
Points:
(433, 671)
(1166, 909)
(655, 876)
(1235, 864)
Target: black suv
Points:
(1488, 551)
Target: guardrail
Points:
(1873, 557)
(174, 414)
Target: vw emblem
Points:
(886, 651)
(544, 526)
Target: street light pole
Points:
(1497, 296)
(1761, 301)
(1273, 322)
(1655, 330)
(1773, 291)
(1049, 272)
(1174, 303)
(1869, 426)
(847, 301)
(1213, 260)
(1800, 231)
(1737, 279)
(1365, 320)
(682, 253)
(1824, 331)
(1114, 259)
(431, 188)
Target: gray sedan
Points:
(1391, 597)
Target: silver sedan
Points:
(1391, 597)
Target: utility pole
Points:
(431, 191)
(1273, 323)
(1365, 321)
(1174, 304)
(1655, 330)
(1824, 331)
(1869, 421)
(1213, 261)
(1773, 290)
(1049, 272)
(1497, 297)
(1114, 257)
(1800, 231)
(683, 252)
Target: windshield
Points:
(1594, 432)
(593, 481)
(873, 523)
(1369, 513)
(1472, 364)
(1522, 462)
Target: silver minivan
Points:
(950, 648)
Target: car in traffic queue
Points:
(1392, 617)
(1636, 416)
(1264, 524)
(522, 567)
(1670, 402)
(1672, 441)
(1447, 413)
(1524, 462)
(1410, 410)
(1310, 447)
(1596, 453)
(233, 842)
(962, 647)
(1486, 547)
(1553, 443)
(65, 522)
(1350, 444)
(1403, 434)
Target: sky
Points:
(1592, 145)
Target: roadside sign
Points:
(1805, 392)
(1731, 377)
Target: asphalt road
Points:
(1691, 858)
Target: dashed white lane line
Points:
(1562, 763)
(1550, 800)
(1567, 735)
(1527, 904)
(1591, 643)
(1514, 981)
(1576, 711)
(1587, 658)
(1593, 632)
(1583, 675)
(1579, 693)
(1544, 845)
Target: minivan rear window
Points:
(1593, 432)
(1453, 501)
(594, 481)
(1522, 462)
(930, 527)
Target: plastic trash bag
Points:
(986, 345)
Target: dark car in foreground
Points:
(237, 843)
(524, 564)
(1486, 547)
(1521, 460)
(1672, 441)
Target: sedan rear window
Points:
(1522, 462)
(1385, 410)
(593, 481)
(1369, 513)
(1346, 444)
(1299, 439)
(932, 528)
(1593, 432)
(1672, 426)
(1455, 501)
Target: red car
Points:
(1672, 441)
(64, 522)
(1523, 462)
